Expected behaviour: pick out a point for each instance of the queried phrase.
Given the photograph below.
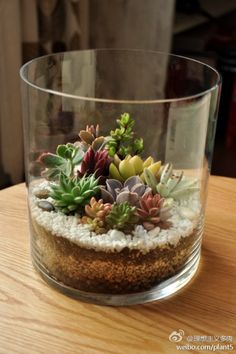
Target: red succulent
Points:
(149, 210)
(95, 163)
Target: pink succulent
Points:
(149, 210)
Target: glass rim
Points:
(121, 101)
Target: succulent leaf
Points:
(77, 156)
(149, 161)
(150, 179)
(138, 145)
(127, 196)
(166, 173)
(132, 182)
(113, 186)
(155, 167)
(61, 150)
(137, 163)
(114, 173)
(86, 136)
(98, 143)
(50, 160)
(163, 190)
(126, 169)
(116, 160)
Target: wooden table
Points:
(35, 318)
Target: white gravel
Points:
(184, 216)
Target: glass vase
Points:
(118, 148)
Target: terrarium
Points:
(118, 147)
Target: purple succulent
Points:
(95, 162)
(131, 191)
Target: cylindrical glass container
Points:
(118, 147)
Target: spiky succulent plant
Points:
(122, 217)
(64, 161)
(96, 213)
(131, 191)
(171, 185)
(72, 194)
(96, 163)
(122, 141)
(132, 166)
(149, 210)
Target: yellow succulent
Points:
(132, 166)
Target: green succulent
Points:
(64, 161)
(132, 166)
(171, 185)
(121, 140)
(72, 194)
(122, 216)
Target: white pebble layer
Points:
(184, 216)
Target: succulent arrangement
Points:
(105, 181)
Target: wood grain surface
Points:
(35, 318)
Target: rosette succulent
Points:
(122, 217)
(64, 161)
(132, 166)
(72, 194)
(90, 138)
(171, 185)
(96, 163)
(149, 210)
(131, 191)
(96, 213)
(97, 209)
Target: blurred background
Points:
(204, 30)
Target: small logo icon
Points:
(176, 336)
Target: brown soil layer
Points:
(107, 272)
